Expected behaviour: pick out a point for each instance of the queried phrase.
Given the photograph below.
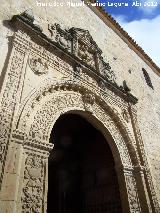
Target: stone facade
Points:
(58, 61)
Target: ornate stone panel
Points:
(132, 192)
(10, 90)
(57, 103)
(33, 184)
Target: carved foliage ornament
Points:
(38, 65)
(33, 185)
(132, 193)
(9, 100)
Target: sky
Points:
(141, 19)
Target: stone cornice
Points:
(115, 26)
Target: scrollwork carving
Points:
(84, 47)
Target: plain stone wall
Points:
(115, 50)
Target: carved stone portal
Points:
(26, 123)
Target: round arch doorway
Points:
(81, 173)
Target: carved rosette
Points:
(38, 65)
(89, 100)
(32, 195)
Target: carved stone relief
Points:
(62, 37)
(132, 193)
(64, 101)
(8, 100)
(88, 100)
(80, 43)
(125, 115)
(38, 65)
(37, 115)
(43, 122)
(33, 185)
(86, 55)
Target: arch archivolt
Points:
(41, 111)
(45, 106)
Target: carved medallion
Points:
(38, 65)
